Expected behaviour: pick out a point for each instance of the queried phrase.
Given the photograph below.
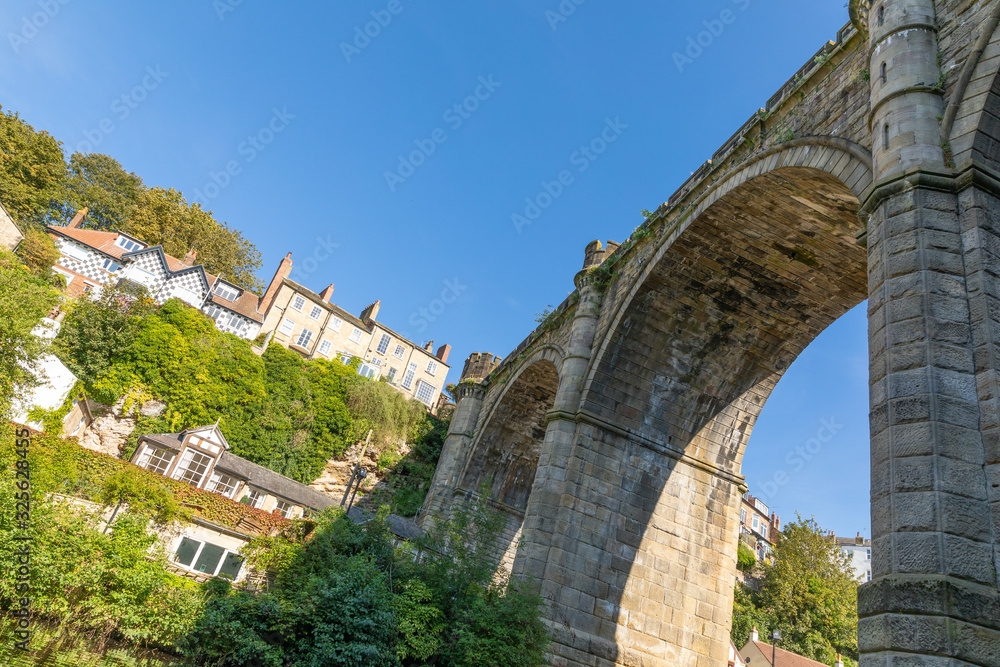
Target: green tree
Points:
(99, 183)
(32, 170)
(811, 594)
(38, 251)
(24, 300)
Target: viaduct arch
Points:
(629, 409)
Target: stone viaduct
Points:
(614, 435)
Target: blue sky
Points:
(297, 128)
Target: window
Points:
(432, 367)
(383, 344)
(743, 515)
(66, 274)
(283, 508)
(881, 15)
(336, 323)
(400, 351)
(315, 312)
(885, 74)
(325, 347)
(304, 338)
(236, 323)
(208, 558)
(254, 498)
(370, 372)
(356, 335)
(226, 292)
(869, 575)
(157, 460)
(426, 392)
(287, 326)
(869, 556)
(376, 361)
(224, 484)
(885, 137)
(298, 302)
(74, 251)
(111, 266)
(346, 358)
(192, 467)
(755, 523)
(763, 530)
(127, 244)
(408, 377)
(392, 375)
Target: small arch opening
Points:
(885, 74)
(885, 136)
(881, 16)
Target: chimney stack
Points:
(443, 353)
(754, 637)
(839, 663)
(369, 314)
(327, 294)
(284, 270)
(190, 258)
(430, 346)
(78, 219)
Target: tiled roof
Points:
(101, 241)
(337, 310)
(275, 484)
(245, 304)
(786, 658)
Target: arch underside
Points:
(729, 306)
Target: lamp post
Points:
(775, 638)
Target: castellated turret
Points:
(479, 365)
(597, 253)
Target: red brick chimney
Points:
(327, 294)
(284, 270)
(443, 353)
(190, 258)
(78, 219)
(369, 314)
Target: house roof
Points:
(257, 476)
(782, 657)
(246, 303)
(316, 298)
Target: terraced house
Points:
(310, 324)
(90, 259)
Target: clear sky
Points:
(294, 126)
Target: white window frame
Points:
(223, 290)
(391, 375)
(197, 554)
(287, 327)
(128, 244)
(399, 351)
(316, 313)
(432, 368)
(368, 371)
(336, 323)
(107, 261)
(73, 251)
(411, 372)
(284, 512)
(376, 362)
(325, 347)
(356, 335)
(149, 453)
(383, 344)
(184, 467)
(66, 274)
(421, 386)
(250, 492)
(216, 481)
(298, 302)
(307, 334)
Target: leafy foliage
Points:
(38, 251)
(24, 300)
(810, 594)
(32, 169)
(360, 602)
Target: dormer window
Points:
(226, 292)
(128, 244)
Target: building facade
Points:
(90, 260)
(759, 527)
(10, 235)
(201, 458)
(859, 549)
(310, 324)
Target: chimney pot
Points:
(190, 258)
(284, 270)
(327, 294)
(430, 346)
(754, 636)
(78, 219)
